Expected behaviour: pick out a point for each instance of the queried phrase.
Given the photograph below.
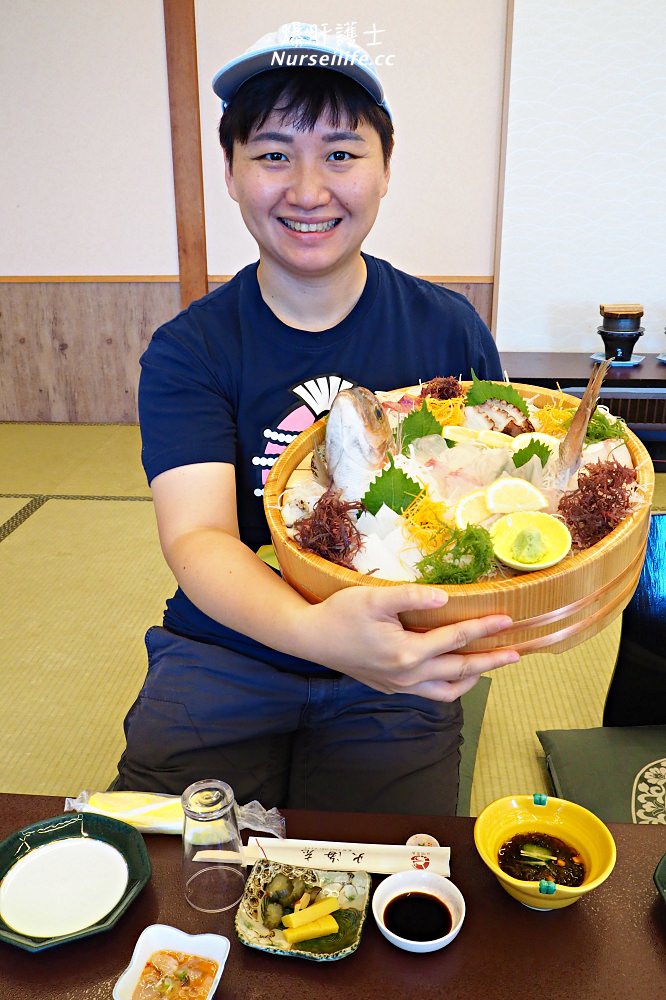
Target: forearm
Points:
(357, 631)
(228, 582)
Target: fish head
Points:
(358, 433)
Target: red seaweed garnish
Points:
(330, 531)
(602, 499)
(443, 387)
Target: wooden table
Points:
(638, 394)
(610, 945)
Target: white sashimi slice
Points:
(462, 469)
(377, 558)
(379, 524)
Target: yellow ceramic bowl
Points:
(568, 821)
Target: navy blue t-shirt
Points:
(227, 381)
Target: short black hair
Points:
(302, 95)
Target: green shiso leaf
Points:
(481, 391)
(463, 557)
(419, 423)
(392, 487)
(535, 447)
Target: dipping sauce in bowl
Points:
(418, 911)
(418, 916)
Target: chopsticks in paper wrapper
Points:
(382, 859)
(152, 813)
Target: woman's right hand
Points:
(358, 632)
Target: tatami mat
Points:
(81, 582)
(72, 459)
(542, 691)
(9, 506)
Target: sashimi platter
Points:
(513, 498)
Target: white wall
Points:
(585, 203)
(86, 182)
(445, 91)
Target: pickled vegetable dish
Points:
(175, 976)
(533, 857)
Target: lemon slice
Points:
(553, 536)
(455, 433)
(509, 494)
(471, 509)
(495, 439)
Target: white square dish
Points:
(161, 937)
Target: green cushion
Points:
(619, 773)
(474, 707)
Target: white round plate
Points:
(63, 887)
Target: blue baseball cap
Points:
(300, 45)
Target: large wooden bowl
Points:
(552, 609)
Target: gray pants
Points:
(285, 739)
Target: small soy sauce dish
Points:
(418, 911)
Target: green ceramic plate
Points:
(660, 877)
(351, 888)
(67, 877)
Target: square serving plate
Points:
(76, 826)
(351, 888)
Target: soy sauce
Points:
(418, 916)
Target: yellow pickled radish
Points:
(509, 494)
(471, 509)
(312, 912)
(315, 929)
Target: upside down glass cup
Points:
(213, 869)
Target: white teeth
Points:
(310, 227)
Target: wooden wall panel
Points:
(69, 351)
(181, 52)
(480, 294)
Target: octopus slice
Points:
(498, 415)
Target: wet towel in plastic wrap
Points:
(152, 813)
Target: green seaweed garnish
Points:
(601, 427)
(535, 447)
(392, 487)
(348, 921)
(482, 390)
(464, 556)
(419, 423)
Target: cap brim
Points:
(232, 76)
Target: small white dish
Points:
(161, 937)
(426, 882)
(422, 840)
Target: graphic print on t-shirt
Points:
(317, 395)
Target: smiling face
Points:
(308, 196)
